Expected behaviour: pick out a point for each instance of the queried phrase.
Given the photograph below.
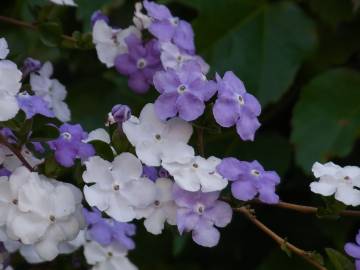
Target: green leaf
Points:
(179, 244)
(338, 260)
(103, 150)
(45, 133)
(326, 119)
(331, 209)
(50, 34)
(263, 44)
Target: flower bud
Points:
(121, 113)
(98, 15)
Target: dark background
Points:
(300, 58)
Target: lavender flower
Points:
(98, 15)
(182, 92)
(33, 105)
(249, 180)
(30, 65)
(140, 63)
(163, 173)
(168, 28)
(200, 213)
(70, 146)
(234, 106)
(353, 250)
(150, 172)
(107, 231)
(4, 172)
(121, 113)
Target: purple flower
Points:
(98, 15)
(249, 180)
(182, 92)
(200, 213)
(234, 106)
(150, 172)
(163, 173)
(30, 65)
(4, 172)
(353, 250)
(140, 63)
(70, 146)
(121, 113)
(107, 231)
(33, 105)
(168, 28)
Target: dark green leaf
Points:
(331, 209)
(338, 260)
(45, 133)
(103, 150)
(326, 119)
(50, 34)
(179, 243)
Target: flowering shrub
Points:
(178, 153)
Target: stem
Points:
(307, 209)
(281, 241)
(200, 140)
(16, 152)
(30, 26)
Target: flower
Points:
(98, 15)
(235, 106)
(10, 83)
(165, 27)
(12, 162)
(341, 181)
(118, 187)
(182, 92)
(98, 134)
(110, 42)
(155, 140)
(64, 2)
(140, 63)
(150, 172)
(30, 65)
(121, 113)
(162, 210)
(249, 180)
(106, 258)
(197, 174)
(353, 250)
(200, 213)
(33, 105)
(141, 21)
(51, 90)
(44, 226)
(71, 146)
(174, 58)
(107, 231)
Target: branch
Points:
(30, 26)
(16, 152)
(307, 209)
(307, 256)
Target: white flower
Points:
(12, 162)
(110, 42)
(162, 210)
(172, 57)
(157, 140)
(51, 90)
(119, 188)
(99, 134)
(337, 180)
(10, 84)
(197, 174)
(64, 2)
(106, 258)
(4, 48)
(141, 20)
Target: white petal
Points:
(94, 253)
(61, 111)
(106, 53)
(119, 208)
(8, 107)
(30, 254)
(149, 153)
(325, 169)
(40, 84)
(98, 171)
(140, 193)
(96, 197)
(62, 201)
(177, 152)
(155, 222)
(102, 32)
(46, 70)
(99, 134)
(125, 167)
(164, 188)
(4, 49)
(10, 77)
(323, 188)
(58, 90)
(348, 195)
(178, 130)
(29, 227)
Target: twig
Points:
(16, 152)
(30, 26)
(307, 209)
(200, 140)
(307, 256)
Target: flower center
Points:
(52, 218)
(141, 63)
(195, 165)
(66, 136)
(158, 137)
(116, 187)
(179, 58)
(110, 254)
(157, 203)
(199, 208)
(174, 21)
(255, 172)
(181, 89)
(241, 100)
(15, 201)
